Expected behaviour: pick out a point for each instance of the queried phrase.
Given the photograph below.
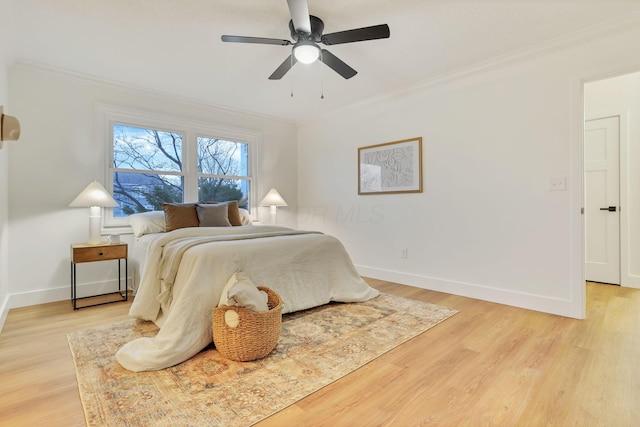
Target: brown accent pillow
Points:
(180, 215)
(234, 214)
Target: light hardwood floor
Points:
(490, 365)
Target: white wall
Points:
(55, 161)
(486, 225)
(5, 59)
(621, 96)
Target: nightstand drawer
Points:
(90, 253)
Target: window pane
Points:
(146, 149)
(222, 190)
(221, 157)
(141, 192)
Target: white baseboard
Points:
(43, 296)
(501, 296)
(4, 311)
(631, 281)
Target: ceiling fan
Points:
(306, 31)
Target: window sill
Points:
(122, 229)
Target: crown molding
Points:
(77, 76)
(606, 29)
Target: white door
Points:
(602, 199)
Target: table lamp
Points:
(95, 197)
(273, 199)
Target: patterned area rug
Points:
(316, 347)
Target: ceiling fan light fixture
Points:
(306, 53)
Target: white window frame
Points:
(109, 115)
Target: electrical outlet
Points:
(404, 253)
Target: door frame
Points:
(577, 250)
(578, 292)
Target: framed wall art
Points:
(392, 167)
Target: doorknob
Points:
(610, 209)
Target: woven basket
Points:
(256, 334)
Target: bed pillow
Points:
(213, 215)
(147, 222)
(245, 216)
(234, 213)
(180, 215)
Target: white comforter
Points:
(183, 280)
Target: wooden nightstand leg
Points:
(126, 278)
(74, 298)
(119, 278)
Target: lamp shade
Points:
(273, 198)
(94, 195)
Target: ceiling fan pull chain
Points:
(321, 76)
(291, 75)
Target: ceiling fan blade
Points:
(283, 68)
(357, 35)
(258, 40)
(337, 64)
(300, 15)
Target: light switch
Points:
(558, 183)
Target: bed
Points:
(184, 270)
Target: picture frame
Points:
(390, 168)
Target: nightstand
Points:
(85, 252)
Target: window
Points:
(152, 162)
(147, 169)
(223, 170)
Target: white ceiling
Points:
(174, 47)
